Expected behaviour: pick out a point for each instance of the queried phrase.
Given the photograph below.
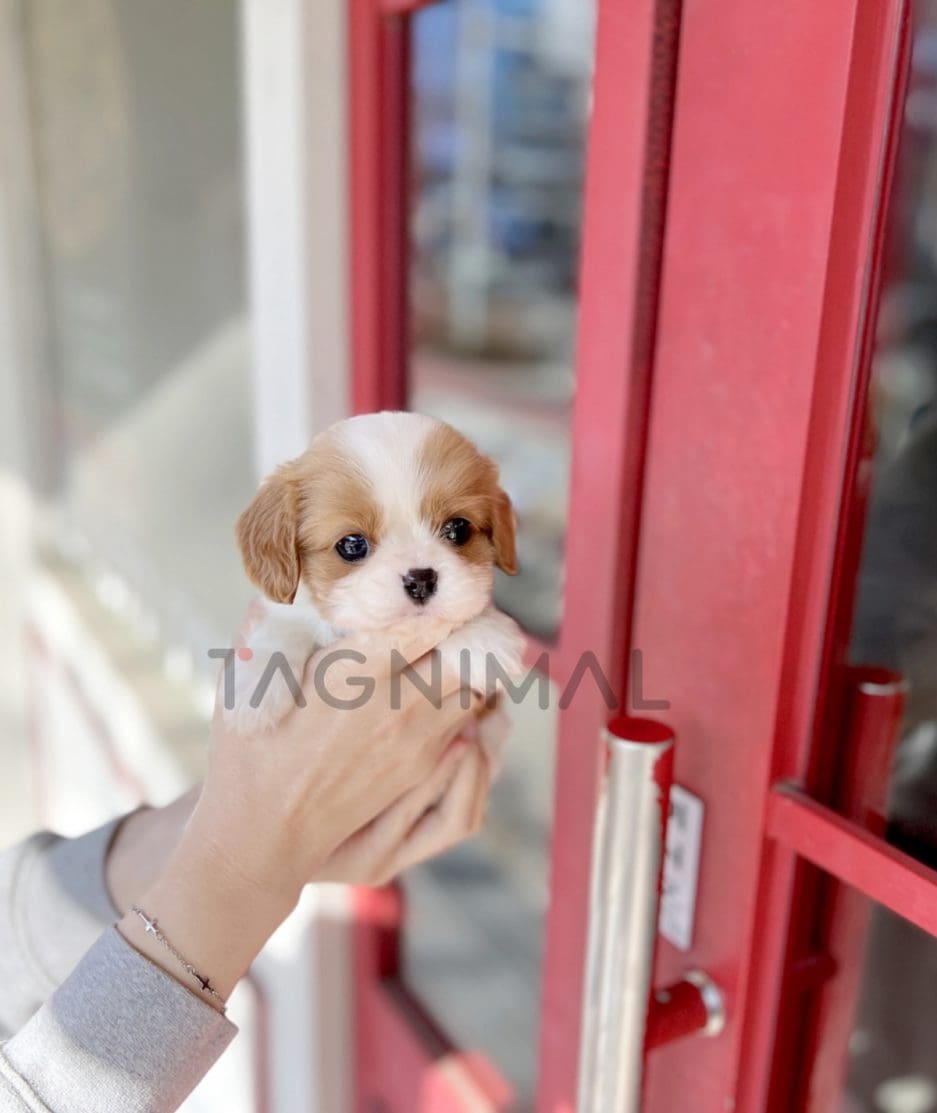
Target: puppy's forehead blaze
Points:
(456, 479)
(335, 498)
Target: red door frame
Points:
(378, 158)
(625, 204)
(782, 153)
(746, 494)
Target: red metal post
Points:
(810, 729)
(625, 201)
(404, 1062)
(875, 711)
(379, 184)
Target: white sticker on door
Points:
(681, 868)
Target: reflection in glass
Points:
(500, 97)
(500, 100)
(893, 1052)
(892, 1064)
(474, 934)
(896, 610)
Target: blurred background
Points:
(173, 319)
(172, 324)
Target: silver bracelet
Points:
(151, 927)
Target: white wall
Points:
(295, 131)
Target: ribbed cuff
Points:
(120, 1035)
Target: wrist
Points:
(212, 916)
(141, 847)
(261, 856)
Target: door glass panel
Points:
(500, 92)
(500, 99)
(895, 622)
(136, 133)
(893, 1051)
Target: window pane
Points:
(896, 608)
(500, 93)
(135, 111)
(892, 1051)
(500, 100)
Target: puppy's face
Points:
(385, 516)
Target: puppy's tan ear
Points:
(266, 533)
(503, 527)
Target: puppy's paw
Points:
(493, 730)
(264, 692)
(486, 652)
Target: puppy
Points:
(386, 516)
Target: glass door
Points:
(781, 600)
(868, 1029)
(468, 294)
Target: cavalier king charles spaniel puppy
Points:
(386, 516)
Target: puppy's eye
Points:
(353, 547)
(457, 530)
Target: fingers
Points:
(381, 656)
(431, 678)
(438, 726)
(409, 641)
(368, 857)
(457, 816)
(389, 650)
(392, 827)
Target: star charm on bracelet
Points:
(151, 927)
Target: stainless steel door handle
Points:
(627, 862)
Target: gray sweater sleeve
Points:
(118, 1033)
(53, 905)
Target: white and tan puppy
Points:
(386, 516)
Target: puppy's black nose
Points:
(420, 583)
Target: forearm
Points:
(210, 911)
(143, 845)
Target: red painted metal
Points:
(404, 1062)
(810, 730)
(379, 185)
(855, 857)
(765, 267)
(676, 1012)
(625, 199)
(874, 716)
(403, 7)
(758, 327)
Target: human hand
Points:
(432, 817)
(275, 808)
(445, 809)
